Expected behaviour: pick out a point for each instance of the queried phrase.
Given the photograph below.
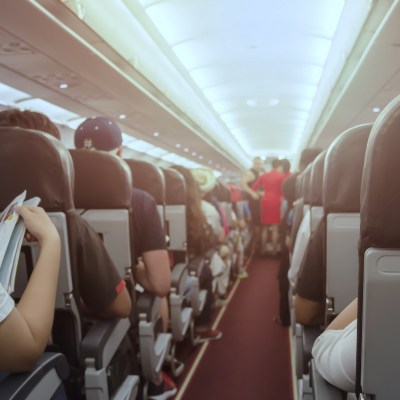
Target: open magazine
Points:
(12, 231)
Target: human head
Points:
(258, 164)
(275, 163)
(307, 157)
(285, 165)
(205, 179)
(29, 120)
(99, 133)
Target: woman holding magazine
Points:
(25, 328)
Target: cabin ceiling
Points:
(220, 81)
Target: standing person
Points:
(248, 178)
(152, 270)
(270, 204)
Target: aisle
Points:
(252, 360)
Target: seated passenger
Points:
(221, 263)
(97, 273)
(25, 328)
(334, 351)
(310, 286)
(152, 270)
(201, 239)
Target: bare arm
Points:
(120, 307)
(246, 178)
(25, 332)
(154, 273)
(349, 314)
(309, 312)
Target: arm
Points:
(154, 273)
(348, 315)
(309, 312)
(25, 332)
(120, 307)
(246, 178)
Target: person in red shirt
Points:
(271, 200)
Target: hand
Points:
(255, 195)
(38, 224)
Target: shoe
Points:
(242, 275)
(165, 390)
(208, 335)
(219, 303)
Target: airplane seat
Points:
(106, 203)
(306, 188)
(316, 182)
(41, 165)
(378, 324)
(40, 383)
(341, 201)
(180, 313)
(150, 178)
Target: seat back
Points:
(106, 203)
(316, 181)
(176, 210)
(306, 188)
(378, 324)
(41, 165)
(341, 201)
(150, 178)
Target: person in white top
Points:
(334, 351)
(25, 328)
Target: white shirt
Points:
(212, 217)
(6, 304)
(302, 239)
(334, 353)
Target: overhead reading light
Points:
(156, 134)
(376, 109)
(63, 85)
(122, 116)
(193, 153)
(177, 145)
(186, 150)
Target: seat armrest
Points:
(103, 340)
(148, 304)
(323, 390)
(310, 334)
(178, 277)
(19, 386)
(196, 265)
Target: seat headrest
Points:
(38, 163)
(298, 186)
(343, 170)
(175, 186)
(148, 177)
(102, 180)
(317, 175)
(306, 184)
(380, 191)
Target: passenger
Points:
(25, 328)
(94, 261)
(335, 350)
(201, 239)
(220, 266)
(270, 205)
(248, 178)
(288, 189)
(152, 270)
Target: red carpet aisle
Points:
(252, 361)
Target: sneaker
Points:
(209, 334)
(165, 390)
(242, 275)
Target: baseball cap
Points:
(98, 133)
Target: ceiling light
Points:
(63, 85)
(122, 116)
(186, 150)
(376, 109)
(177, 145)
(156, 134)
(200, 157)
(194, 153)
(272, 102)
(210, 162)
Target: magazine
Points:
(12, 232)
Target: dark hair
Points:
(29, 120)
(285, 164)
(200, 235)
(308, 155)
(275, 163)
